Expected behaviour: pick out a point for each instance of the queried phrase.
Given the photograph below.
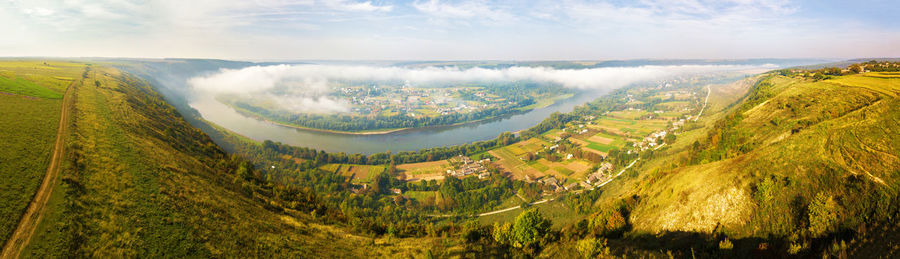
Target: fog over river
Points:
(196, 83)
(407, 140)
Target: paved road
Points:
(35, 211)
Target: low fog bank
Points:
(306, 88)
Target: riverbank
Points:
(542, 104)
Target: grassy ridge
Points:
(142, 182)
(794, 139)
(796, 167)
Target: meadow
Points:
(628, 127)
(42, 79)
(358, 173)
(27, 133)
(30, 93)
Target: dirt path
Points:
(35, 211)
(708, 91)
(510, 208)
(617, 175)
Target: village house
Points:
(551, 182)
(466, 166)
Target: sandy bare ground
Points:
(35, 211)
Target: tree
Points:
(855, 68)
(670, 138)
(529, 229)
(608, 222)
(382, 183)
(822, 214)
(501, 233)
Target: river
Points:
(406, 140)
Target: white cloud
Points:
(443, 29)
(366, 6)
(466, 10)
(682, 14)
(306, 88)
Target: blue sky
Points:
(450, 30)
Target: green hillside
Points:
(139, 181)
(799, 166)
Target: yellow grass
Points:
(424, 171)
(600, 139)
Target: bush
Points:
(609, 222)
(795, 248)
(502, 233)
(822, 214)
(529, 229)
(726, 244)
(591, 247)
(765, 191)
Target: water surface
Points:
(407, 140)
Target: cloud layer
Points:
(305, 88)
(450, 29)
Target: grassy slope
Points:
(844, 147)
(848, 144)
(28, 121)
(141, 181)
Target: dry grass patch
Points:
(601, 139)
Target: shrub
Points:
(795, 248)
(822, 214)
(765, 191)
(609, 222)
(590, 247)
(502, 232)
(529, 229)
(726, 244)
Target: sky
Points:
(450, 30)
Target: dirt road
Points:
(35, 211)
(511, 208)
(708, 91)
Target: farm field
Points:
(27, 133)
(629, 128)
(575, 169)
(43, 79)
(358, 173)
(675, 104)
(603, 142)
(511, 160)
(424, 171)
(510, 157)
(30, 103)
(677, 95)
(628, 114)
(553, 134)
(419, 195)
